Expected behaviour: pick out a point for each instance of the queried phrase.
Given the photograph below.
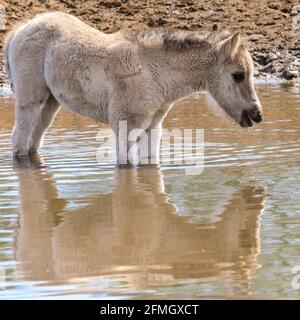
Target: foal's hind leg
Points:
(31, 124)
(47, 115)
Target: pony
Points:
(133, 76)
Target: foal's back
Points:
(50, 26)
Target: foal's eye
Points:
(238, 76)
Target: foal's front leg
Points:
(154, 136)
(154, 132)
(131, 135)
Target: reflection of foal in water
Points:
(56, 59)
(134, 227)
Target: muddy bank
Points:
(271, 27)
(277, 64)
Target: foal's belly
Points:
(91, 104)
(83, 107)
(82, 92)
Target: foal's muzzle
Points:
(248, 115)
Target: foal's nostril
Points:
(259, 118)
(256, 114)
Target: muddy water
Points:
(71, 228)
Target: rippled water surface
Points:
(72, 228)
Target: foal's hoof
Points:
(29, 161)
(125, 165)
(148, 165)
(21, 153)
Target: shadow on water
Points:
(134, 230)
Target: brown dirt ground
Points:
(267, 24)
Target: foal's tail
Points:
(6, 55)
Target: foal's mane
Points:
(177, 39)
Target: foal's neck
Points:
(179, 72)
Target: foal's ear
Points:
(229, 47)
(122, 61)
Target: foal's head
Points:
(231, 85)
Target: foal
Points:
(55, 59)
